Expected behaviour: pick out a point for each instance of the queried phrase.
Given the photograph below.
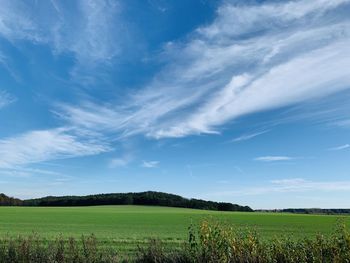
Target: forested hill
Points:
(151, 199)
(9, 201)
(143, 198)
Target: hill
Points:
(143, 198)
(9, 201)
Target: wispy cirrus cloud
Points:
(340, 147)
(121, 161)
(251, 58)
(5, 63)
(150, 164)
(83, 30)
(301, 185)
(248, 136)
(274, 158)
(296, 185)
(343, 123)
(45, 145)
(18, 171)
(5, 99)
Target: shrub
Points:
(217, 243)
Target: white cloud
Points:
(290, 185)
(244, 94)
(5, 99)
(251, 58)
(273, 158)
(341, 147)
(92, 116)
(44, 145)
(249, 136)
(18, 171)
(94, 38)
(88, 29)
(236, 20)
(15, 173)
(5, 63)
(150, 164)
(86, 32)
(301, 185)
(120, 162)
(343, 123)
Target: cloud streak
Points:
(120, 162)
(341, 147)
(45, 145)
(273, 158)
(251, 58)
(5, 99)
(83, 30)
(291, 185)
(249, 136)
(150, 164)
(343, 123)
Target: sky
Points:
(238, 101)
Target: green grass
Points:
(128, 226)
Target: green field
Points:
(127, 226)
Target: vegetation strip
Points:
(143, 198)
(211, 242)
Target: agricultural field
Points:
(129, 226)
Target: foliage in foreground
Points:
(212, 242)
(215, 242)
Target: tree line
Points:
(143, 198)
(210, 242)
(326, 211)
(9, 201)
(330, 211)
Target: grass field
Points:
(127, 226)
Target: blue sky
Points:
(239, 101)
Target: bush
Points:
(33, 249)
(217, 243)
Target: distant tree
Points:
(9, 201)
(142, 198)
